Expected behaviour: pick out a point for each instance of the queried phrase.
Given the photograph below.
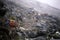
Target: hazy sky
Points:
(54, 3)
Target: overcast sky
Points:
(54, 3)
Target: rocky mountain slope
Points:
(37, 21)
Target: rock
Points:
(38, 38)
